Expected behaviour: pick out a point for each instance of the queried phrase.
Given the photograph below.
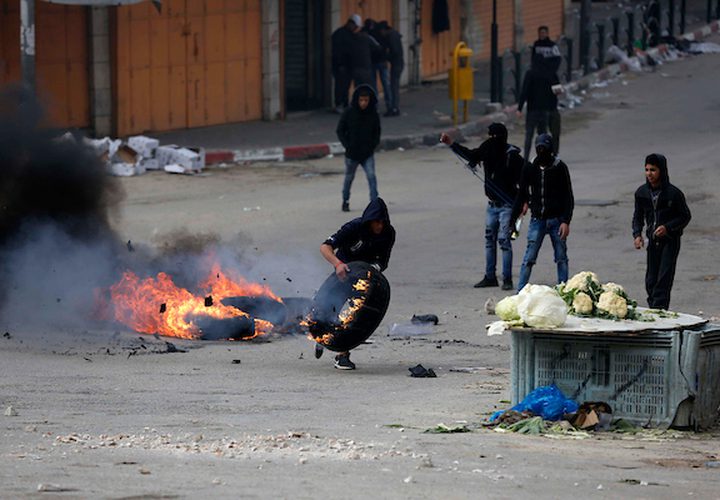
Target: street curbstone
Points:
(305, 152)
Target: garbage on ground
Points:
(445, 429)
(419, 371)
(425, 318)
(704, 48)
(546, 401)
(409, 329)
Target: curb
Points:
(507, 115)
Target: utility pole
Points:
(585, 8)
(494, 76)
(27, 43)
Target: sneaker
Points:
(486, 283)
(319, 350)
(507, 284)
(345, 206)
(342, 362)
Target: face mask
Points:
(545, 155)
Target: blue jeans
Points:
(537, 230)
(382, 71)
(368, 165)
(497, 230)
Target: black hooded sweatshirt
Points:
(359, 129)
(669, 210)
(537, 92)
(356, 241)
(548, 191)
(502, 165)
(546, 59)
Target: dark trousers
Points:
(362, 76)
(342, 86)
(534, 120)
(395, 73)
(660, 273)
(554, 129)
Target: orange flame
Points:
(157, 305)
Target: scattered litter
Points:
(408, 329)
(236, 361)
(470, 369)
(713, 464)
(172, 348)
(490, 305)
(53, 488)
(599, 85)
(401, 149)
(444, 429)
(11, 412)
(546, 401)
(408, 479)
(251, 209)
(425, 318)
(420, 371)
(704, 48)
(7, 335)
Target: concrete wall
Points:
(100, 72)
(271, 77)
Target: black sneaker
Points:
(319, 350)
(507, 284)
(486, 283)
(342, 362)
(345, 206)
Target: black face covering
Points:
(545, 156)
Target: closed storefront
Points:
(197, 63)
(482, 11)
(61, 59)
(379, 10)
(437, 47)
(537, 13)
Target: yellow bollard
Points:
(460, 84)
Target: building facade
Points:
(131, 69)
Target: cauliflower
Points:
(580, 281)
(506, 309)
(582, 303)
(540, 306)
(613, 287)
(613, 304)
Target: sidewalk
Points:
(426, 112)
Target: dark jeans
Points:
(395, 73)
(363, 76)
(534, 120)
(660, 273)
(554, 123)
(342, 86)
(381, 71)
(537, 230)
(368, 164)
(497, 231)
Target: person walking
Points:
(541, 102)
(660, 207)
(370, 239)
(545, 185)
(359, 133)
(502, 166)
(393, 39)
(341, 42)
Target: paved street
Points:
(281, 424)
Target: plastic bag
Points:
(540, 306)
(546, 401)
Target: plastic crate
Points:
(660, 378)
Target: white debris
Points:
(11, 412)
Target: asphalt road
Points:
(281, 424)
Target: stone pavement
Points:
(426, 112)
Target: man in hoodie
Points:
(545, 185)
(541, 103)
(342, 41)
(370, 239)
(661, 208)
(546, 59)
(359, 133)
(393, 41)
(502, 165)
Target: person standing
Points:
(545, 185)
(370, 239)
(546, 59)
(660, 207)
(379, 59)
(502, 166)
(359, 133)
(342, 41)
(393, 39)
(541, 102)
(361, 59)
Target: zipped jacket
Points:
(548, 190)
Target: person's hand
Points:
(524, 209)
(445, 139)
(341, 270)
(564, 230)
(639, 242)
(660, 232)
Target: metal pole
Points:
(708, 17)
(683, 7)
(601, 44)
(585, 14)
(630, 32)
(494, 55)
(671, 17)
(616, 31)
(517, 74)
(500, 79)
(569, 60)
(27, 43)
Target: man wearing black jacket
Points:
(342, 41)
(661, 208)
(502, 165)
(545, 185)
(370, 239)
(359, 133)
(393, 41)
(546, 59)
(541, 102)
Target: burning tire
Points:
(345, 313)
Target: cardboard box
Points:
(150, 164)
(144, 145)
(191, 159)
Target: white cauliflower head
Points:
(613, 304)
(580, 281)
(506, 309)
(613, 287)
(540, 306)
(582, 303)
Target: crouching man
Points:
(370, 239)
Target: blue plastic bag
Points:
(546, 401)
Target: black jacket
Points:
(359, 130)
(342, 41)
(395, 49)
(671, 210)
(548, 190)
(502, 171)
(361, 53)
(537, 92)
(355, 241)
(546, 59)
